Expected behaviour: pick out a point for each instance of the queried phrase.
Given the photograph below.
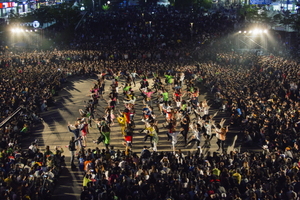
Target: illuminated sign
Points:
(36, 24)
(260, 2)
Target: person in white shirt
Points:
(207, 126)
(122, 164)
(155, 140)
(33, 147)
(197, 134)
(133, 77)
(181, 79)
(174, 139)
(139, 172)
(199, 111)
(168, 109)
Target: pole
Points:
(192, 29)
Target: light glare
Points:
(254, 31)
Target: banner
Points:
(261, 2)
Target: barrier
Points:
(10, 117)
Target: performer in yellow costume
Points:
(122, 123)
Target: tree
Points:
(288, 20)
(248, 12)
(295, 24)
(207, 4)
(181, 4)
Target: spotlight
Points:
(18, 30)
(245, 31)
(240, 31)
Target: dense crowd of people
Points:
(179, 52)
(268, 119)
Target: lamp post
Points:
(192, 24)
(149, 35)
(93, 6)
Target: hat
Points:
(288, 148)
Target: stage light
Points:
(16, 30)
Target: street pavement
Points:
(53, 131)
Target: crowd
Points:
(260, 94)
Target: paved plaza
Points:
(53, 131)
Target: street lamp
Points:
(192, 24)
(149, 35)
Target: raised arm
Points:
(215, 114)
(222, 122)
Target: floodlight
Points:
(250, 31)
(16, 30)
(240, 31)
(245, 31)
(265, 31)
